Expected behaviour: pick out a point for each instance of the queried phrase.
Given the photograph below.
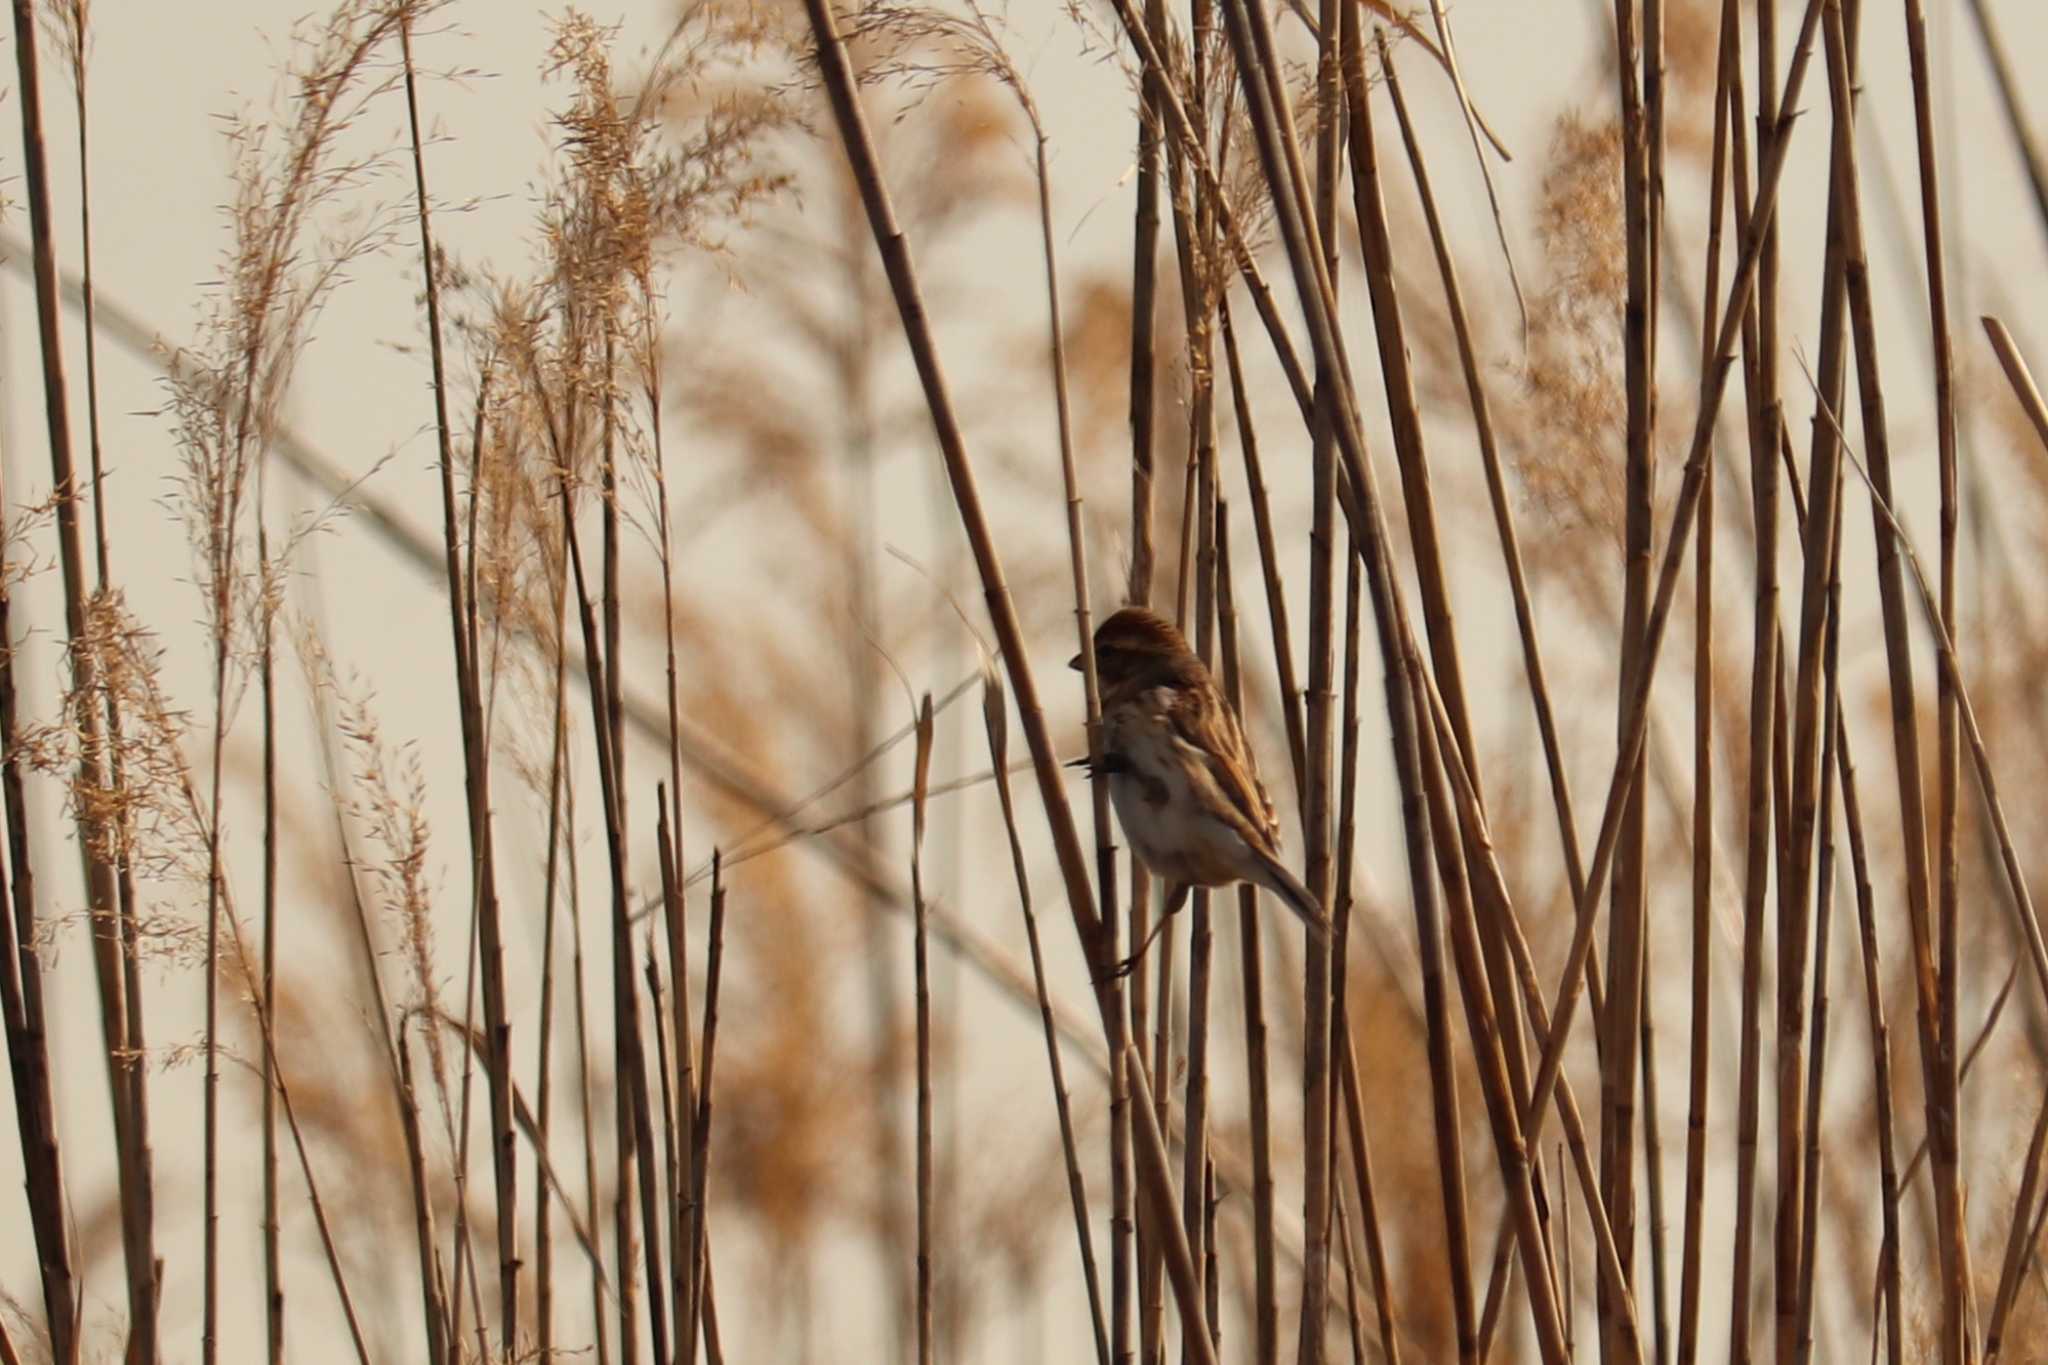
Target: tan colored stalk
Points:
(1713, 386)
(1144, 327)
(1156, 1183)
(1491, 889)
(2019, 376)
(1764, 744)
(1439, 754)
(671, 1187)
(1619, 1029)
(483, 862)
(1890, 1286)
(1824, 870)
(1690, 1254)
(587, 1122)
(28, 1051)
(995, 717)
(1265, 1286)
(1937, 1061)
(922, 1005)
(138, 1177)
(101, 894)
(704, 1310)
(433, 1293)
(1200, 257)
(1377, 249)
(1140, 586)
(558, 758)
(1269, 558)
(1947, 872)
(677, 1094)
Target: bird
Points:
(1181, 775)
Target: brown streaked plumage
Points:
(1183, 779)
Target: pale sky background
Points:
(160, 75)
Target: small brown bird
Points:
(1182, 777)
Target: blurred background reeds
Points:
(545, 816)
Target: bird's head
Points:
(1134, 643)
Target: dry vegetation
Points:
(1671, 1011)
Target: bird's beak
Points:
(1075, 663)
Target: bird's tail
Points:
(1284, 884)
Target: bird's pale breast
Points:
(1167, 822)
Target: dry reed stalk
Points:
(1194, 231)
(1262, 79)
(671, 1197)
(1951, 668)
(1212, 1274)
(1700, 1050)
(558, 758)
(28, 1052)
(1269, 558)
(837, 76)
(2019, 376)
(1151, 1247)
(1144, 324)
(995, 718)
(1947, 871)
(1368, 1203)
(1140, 589)
(1937, 1055)
(1808, 775)
(273, 1269)
(59, 1292)
(922, 1005)
(1627, 943)
(840, 87)
(625, 1003)
(138, 1188)
(1346, 852)
(1438, 755)
(703, 1307)
(1890, 1286)
(1496, 486)
(675, 918)
(1195, 1107)
(1539, 690)
(1377, 249)
(678, 1093)
(1713, 386)
(1128, 1017)
(1265, 1286)
(464, 1252)
(1353, 1313)
(1759, 322)
(1809, 1236)
(1250, 34)
(463, 615)
(680, 1152)
(584, 1113)
(642, 1116)
(1347, 1057)
(1446, 1124)
(1156, 1183)
(433, 1294)
(1491, 887)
